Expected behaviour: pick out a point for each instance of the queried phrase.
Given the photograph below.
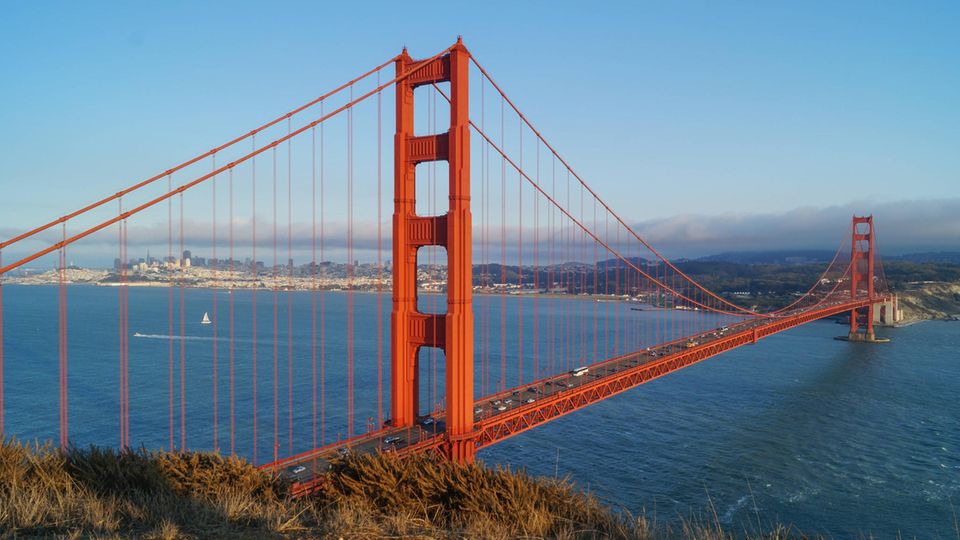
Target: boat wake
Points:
(185, 338)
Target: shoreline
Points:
(160, 285)
(916, 308)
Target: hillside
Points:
(105, 494)
(926, 301)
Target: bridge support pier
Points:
(411, 329)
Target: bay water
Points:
(837, 438)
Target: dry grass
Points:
(108, 494)
(104, 493)
(418, 495)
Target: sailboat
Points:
(206, 318)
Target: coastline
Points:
(918, 301)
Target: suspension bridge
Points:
(511, 294)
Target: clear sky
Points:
(737, 111)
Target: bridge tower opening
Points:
(861, 276)
(411, 329)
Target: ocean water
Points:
(833, 437)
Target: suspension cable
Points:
(69, 240)
(189, 162)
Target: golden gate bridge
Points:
(520, 228)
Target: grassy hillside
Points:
(106, 494)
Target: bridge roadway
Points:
(514, 411)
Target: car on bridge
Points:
(295, 473)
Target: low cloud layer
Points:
(902, 227)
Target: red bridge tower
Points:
(411, 329)
(861, 275)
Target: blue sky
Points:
(738, 111)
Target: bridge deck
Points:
(503, 415)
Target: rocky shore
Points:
(930, 301)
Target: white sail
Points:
(206, 318)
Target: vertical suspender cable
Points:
(662, 294)
(616, 292)
(323, 325)
(123, 266)
(125, 352)
(64, 438)
(121, 274)
(484, 247)
(520, 262)
(583, 285)
(379, 256)
(313, 280)
(655, 293)
(183, 386)
(289, 292)
(503, 259)
(536, 274)
(568, 257)
(169, 266)
(673, 308)
(233, 276)
(595, 288)
(350, 270)
(274, 277)
(552, 226)
(253, 291)
(606, 290)
(216, 442)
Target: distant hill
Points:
(772, 257)
(821, 256)
(927, 257)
